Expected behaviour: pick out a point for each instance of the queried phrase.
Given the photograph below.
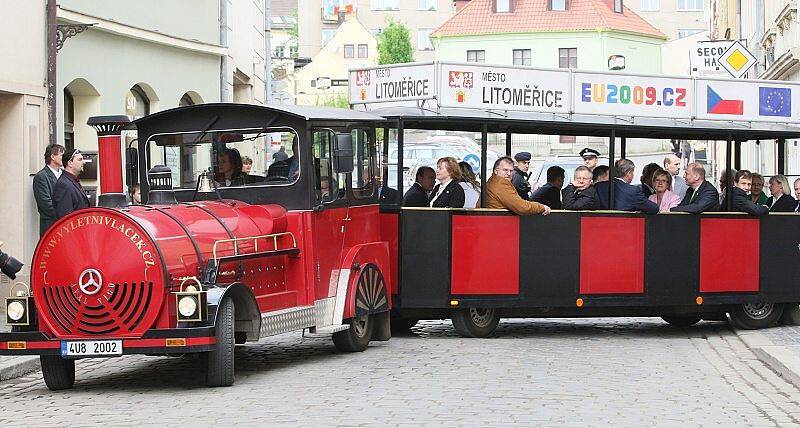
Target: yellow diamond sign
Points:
(737, 60)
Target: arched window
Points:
(137, 104)
(186, 100)
(69, 120)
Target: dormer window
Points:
(558, 4)
(503, 6)
(618, 6)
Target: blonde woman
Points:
(448, 193)
(781, 200)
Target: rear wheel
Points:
(753, 316)
(791, 314)
(356, 338)
(476, 322)
(59, 373)
(681, 321)
(220, 360)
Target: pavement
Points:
(778, 348)
(14, 367)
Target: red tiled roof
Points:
(532, 16)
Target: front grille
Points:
(120, 311)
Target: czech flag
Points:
(716, 105)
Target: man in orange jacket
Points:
(500, 193)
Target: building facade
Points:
(675, 18)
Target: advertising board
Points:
(750, 100)
(632, 95)
(392, 83)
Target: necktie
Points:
(694, 193)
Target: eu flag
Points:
(774, 101)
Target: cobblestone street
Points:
(630, 372)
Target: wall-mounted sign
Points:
(392, 83)
(632, 95)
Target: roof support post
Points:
(728, 173)
(508, 143)
(385, 158)
(611, 170)
(484, 145)
(781, 156)
(623, 148)
(400, 172)
(737, 155)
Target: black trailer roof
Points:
(589, 125)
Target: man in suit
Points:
(417, 195)
(386, 195)
(521, 175)
(701, 196)
(43, 184)
(580, 194)
(797, 194)
(68, 194)
(626, 196)
(550, 193)
(740, 200)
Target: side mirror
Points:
(343, 154)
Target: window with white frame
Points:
(424, 39)
(618, 6)
(363, 51)
(476, 56)
(349, 51)
(427, 5)
(502, 6)
(384, 4)
(568, 58)
(327, 35)
(687, 33)
(650, 5)
(690, 5)
(522, 57)
(558, 4)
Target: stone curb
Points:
(14, 367)
(781, 359)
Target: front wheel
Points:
(681, 321)
(356, 338)
(753, 316)
(220, 360)
(475, 322)
(59, 373)
(791, 314)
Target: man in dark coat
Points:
(550, 193)
(68, 194)
(626, 196)
(740, 200)
(417, 195)
(701, 196)
(43, 184)
(580, 194)
(387, 196)
(521, 175)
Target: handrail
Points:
(236, 241)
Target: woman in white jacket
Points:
(472, 189)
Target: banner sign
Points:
(392, 83)
(504, 88)
(740, 100)
(621, 95)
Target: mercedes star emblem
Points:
(90, 281)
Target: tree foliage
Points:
(394, 44)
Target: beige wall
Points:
(668, 19)
(246, 50)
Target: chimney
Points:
(109, 149)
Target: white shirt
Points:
(442, 185)
(471, 195)
(775, 200)
(56, 171)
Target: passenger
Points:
(723, 183)
(701, 195)
(781, 200)
(740, 200)
(797, 194)
(448, 193)
(580, 194)
(626, 196)
(664, 197)
(229, 168)
(135, 193)
(589, 158)
(68, 194)
(417, 195)
(500, 193)
(757, 194)
(247, 164)
(672, 164)
(472, 189)
(386, 195)
(550, 193)
(599, 174)
(522, 175)
(646, 180)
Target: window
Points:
(279, 51)
(349, 51)
(502, 6)
(376, 32)
(363, 172)
(363, 51)
(384, 4)
(650, 5)
(558, 4)
(427, 5)
(476, 56)
(618, 6)
(424, 39)
(186, 100)
(522, 57)
(327, 35)
(690, 5)
(137, 104)
(687, 33)
(293, 51)
(69, 120)
(568, 58)
(328, 185)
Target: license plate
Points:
(91, 348)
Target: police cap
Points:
(522, 156)
(587, 152)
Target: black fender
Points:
(248, 316)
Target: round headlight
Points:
(187, 305)
(16, 310)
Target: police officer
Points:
(521, 175)
(589, 157)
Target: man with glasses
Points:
(68, 194)
(501, 194)
(580, 194)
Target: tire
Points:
(754, 316)
(791, 314)
(59, 373)
(476, 322)
(681, 321)
(240, 337)
(220, 370)
(357, 337)
(400, 324)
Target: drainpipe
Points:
(757, 37)
(52, 26)
(225, 95)
(267, 53)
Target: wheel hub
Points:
(481, 317)
(758, 311)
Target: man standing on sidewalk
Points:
(43, 184)
(68, 195)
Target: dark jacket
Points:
(415, 197)
(43, 184)
(741, 202)
(520, 181)
(388, 196)
(549, 195)
(452, 196)
(647, 190)
(707, 199)
(580, 199)
(68, 195)
(626, 197)
(786, 204)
